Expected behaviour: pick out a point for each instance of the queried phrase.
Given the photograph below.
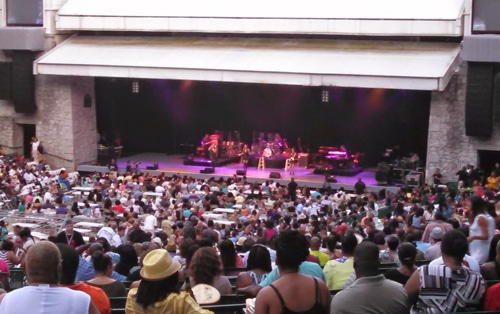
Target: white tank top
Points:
(45, 299)
(479, 249)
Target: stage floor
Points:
(173, 164)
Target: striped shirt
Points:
(3, 256)
(443, 289)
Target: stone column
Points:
(66, 127)
(448, 148)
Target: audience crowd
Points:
(427, 249)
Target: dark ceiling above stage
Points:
(165, 114)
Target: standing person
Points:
(437, 177)
(481, 231)
(293, 161)
(281, 295)
(41, 152)
(371, 291)
(245, 156)
(292, 189)
(44, 295)
(113, 170)
(360, 187)
(69, 236)
(34, 149)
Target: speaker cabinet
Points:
(496, 98)
(23, 82)
(479, 100)
(207, 170)
(5, 77)
(241, 172)
(274, 175)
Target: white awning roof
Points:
(351, 17)
(371, 64)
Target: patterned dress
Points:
(443, 289)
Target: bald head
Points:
(315, 243)
(43, 263)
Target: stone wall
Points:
(84, 120)
(448, 147)
(67, 129)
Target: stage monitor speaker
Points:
(207, 170)
(5, 77)
(153, 167)
(274, 175)
(479, 100)
(241, 172)
(496, 98)
(382, 177)
(23, 82)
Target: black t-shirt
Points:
(397, 276)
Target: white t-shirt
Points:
(473, 265)
(45, 299)
(150, 222)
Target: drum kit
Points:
(276, 146)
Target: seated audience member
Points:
(281, 295)
(306, 268)
(390, 255)
(491, 270)
(338, 271)
(315, 244)
(449, 287)
(44, 295)
(434, 251)
(492, 298)
(86, 270)
(128, 260)
(158, 291)
(439, 221)
(103, 269)
(407, 253)
(258, 266)
(228, 255)
(70, 260)
(371, 292)
(206, 267)
(8, 254)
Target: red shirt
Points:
(97, 295)
(492, 299)
(118, 208)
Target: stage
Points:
(174, 164)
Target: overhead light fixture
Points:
(135, 87)
(325, 96)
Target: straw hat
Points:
(241, 241)
(205, 294)
(158, 265)
(171, 246)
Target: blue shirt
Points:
(306, 268)
(86, 272)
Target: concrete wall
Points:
(448, 147)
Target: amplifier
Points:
(303, 160)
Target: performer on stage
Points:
(245, 156)
(213, 151)
(293, 161)
(205, 143)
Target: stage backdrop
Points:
(165, 114)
